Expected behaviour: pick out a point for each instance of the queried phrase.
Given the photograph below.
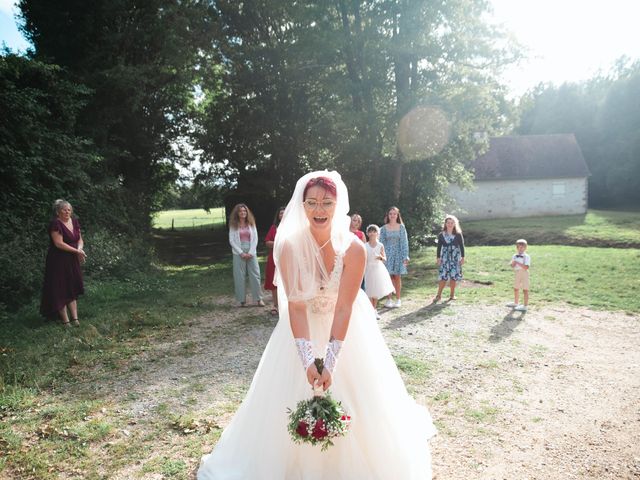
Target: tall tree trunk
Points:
(402, 71)
(397, 178)
(350, 58)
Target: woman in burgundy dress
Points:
(62, 276)
(271, 266)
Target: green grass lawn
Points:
(599, 278)
(45, 428)
(112, 313)
(163, 298)
(185, 219)
(596, 228)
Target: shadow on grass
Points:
(597, 228)
(36, 322)
(195, 246)
(506, 327)
(417, 316)
(191, 247)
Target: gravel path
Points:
(550, 394)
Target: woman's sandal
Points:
(453, 298)
(66, 324)
(274, 311)
(436, 299)
(75, 322)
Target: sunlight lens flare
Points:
(423, 133)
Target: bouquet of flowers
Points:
(318, 420)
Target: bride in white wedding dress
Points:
(323, 313)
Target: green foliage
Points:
(604, 115)
(22, 273)
(313, 85)
(199, 194)
(140, 61)
(115, 93)
(110, 254)
(42, 159)
(97, 115)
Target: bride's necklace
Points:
(324, 244)
(324, 276)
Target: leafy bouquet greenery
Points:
(318, 420)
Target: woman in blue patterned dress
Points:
(450, 256)
(393, 235)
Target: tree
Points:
(619, 151)
(603, 114)
(139, 59)
(42, 159)
(307, 85)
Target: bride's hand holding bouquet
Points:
(319, 378)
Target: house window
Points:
(559, 189)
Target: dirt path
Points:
(553, 394)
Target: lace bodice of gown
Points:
(325, 300)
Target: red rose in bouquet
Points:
(302, 429)
(319, 430)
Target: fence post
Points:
(172, 229)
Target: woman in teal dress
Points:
(393, 235)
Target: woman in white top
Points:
(323, 313)
(243, 238)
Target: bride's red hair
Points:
(323, 182)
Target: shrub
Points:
(22, 266)
(112, 255)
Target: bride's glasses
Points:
(311, 204)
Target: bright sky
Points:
(9, 33)
(568, 40)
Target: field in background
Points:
(189, 219)
(599, 228)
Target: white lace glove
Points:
(331, 354)
(305, 352)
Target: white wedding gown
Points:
(389, 431)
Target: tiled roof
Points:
(531, 156)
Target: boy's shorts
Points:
(522, 280)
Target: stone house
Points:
(523, 176)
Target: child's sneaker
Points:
(398, 304)
(521, 308)
(511, 304)
(389, 304)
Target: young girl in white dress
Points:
(376, 276)
(323, 313)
